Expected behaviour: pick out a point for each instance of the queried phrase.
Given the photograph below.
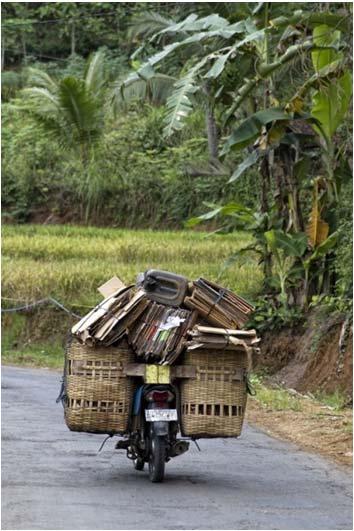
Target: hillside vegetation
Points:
(166, 115)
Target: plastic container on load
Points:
(164, 287)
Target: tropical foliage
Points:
(235, 115)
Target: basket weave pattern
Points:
(98, 394)
(213, 404)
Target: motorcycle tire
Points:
(139, 463)
(157, 459)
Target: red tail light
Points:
(159, 396)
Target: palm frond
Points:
(39, 99)
(80, 109)
(95, 78)
(39, 78)
(148, 23)
(179, 104)
(155, 89)
(44, 107)
(192, 24)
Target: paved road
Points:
(54, 479)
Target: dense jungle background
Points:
(228, 122)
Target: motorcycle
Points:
(153, 430)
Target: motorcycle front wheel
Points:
(157, 459)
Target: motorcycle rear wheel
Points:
(157, 459)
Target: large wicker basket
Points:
(98, 395)
(213, 404)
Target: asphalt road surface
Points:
(55, 479)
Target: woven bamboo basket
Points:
(213, 404)
(98, 395)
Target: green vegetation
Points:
(146, 115)
(336, 400)
(275, 398)
(69, 263)
(16, 351)
(133, 180)
(47, 355)
(278, 398)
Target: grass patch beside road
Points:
(46, 355)
(321, 424)
(49, 354)
(276, 398)
(335, 401)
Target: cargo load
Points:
(195, 329)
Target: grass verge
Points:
(320, 424)
(37, 353)
(43, 354)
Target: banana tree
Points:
(237, 216)
(182, 93)
(148, 85)
(292, 256)
(311, 259)
(331, 92)
(330, 102)
(285, 248)
(207, 46)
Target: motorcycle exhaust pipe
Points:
(179, 447)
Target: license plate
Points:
(154, 415)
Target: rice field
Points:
(69, 263)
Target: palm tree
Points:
(70, 109)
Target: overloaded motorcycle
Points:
(153, 429)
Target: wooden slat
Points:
(134, 369)
(177, 371)
(183, 371)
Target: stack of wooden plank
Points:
(110, 320)
(160, 334)
(218, 305)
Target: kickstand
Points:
(104, 442)
(197, 445)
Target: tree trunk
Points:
(210, 122)
(279, 192)
(73, 38)
(2, 52)
(212, 133)
(24, 48)
(294, 208)
(264, 168)
(265, 181)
